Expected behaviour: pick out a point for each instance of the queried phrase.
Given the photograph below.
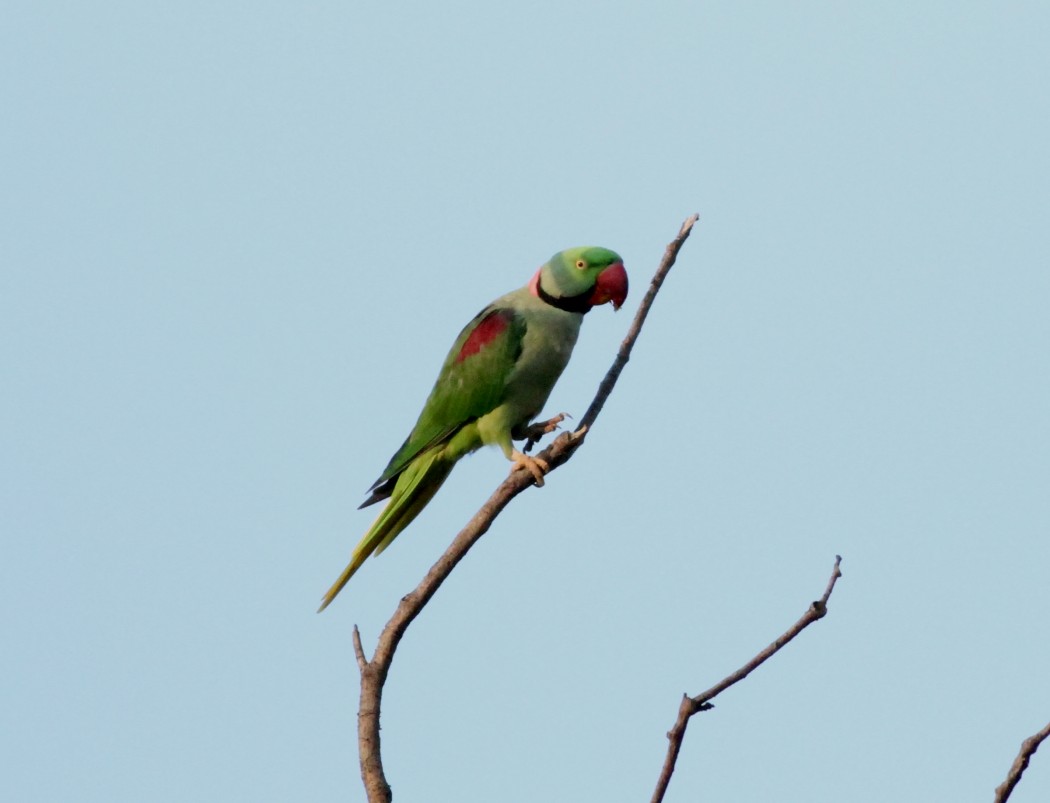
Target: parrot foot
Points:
(534, 465)
(534, 432)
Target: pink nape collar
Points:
(534, 283)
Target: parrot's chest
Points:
(546, 348)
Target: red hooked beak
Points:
(611, 286)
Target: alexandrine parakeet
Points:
(494, 381)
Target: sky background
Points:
(236, 242)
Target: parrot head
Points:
(580, 278)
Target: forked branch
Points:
(702, 701)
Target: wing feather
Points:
(472, 382)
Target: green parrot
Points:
(494, 381)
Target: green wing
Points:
(472, 382)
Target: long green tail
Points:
(415, 487)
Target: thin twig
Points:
(624, 354)
(359, 651)
(1028, 748)
(374, 672)
(702, 702)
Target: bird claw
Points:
(534, 432)
(536, 466)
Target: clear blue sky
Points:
(236, 242)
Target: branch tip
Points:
(359, 651)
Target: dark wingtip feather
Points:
(380, 491)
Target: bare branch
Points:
(1028, 748)
(624, 354)
(374, 673)
(702, 702)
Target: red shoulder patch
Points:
(488, 329)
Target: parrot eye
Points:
(581, 264)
